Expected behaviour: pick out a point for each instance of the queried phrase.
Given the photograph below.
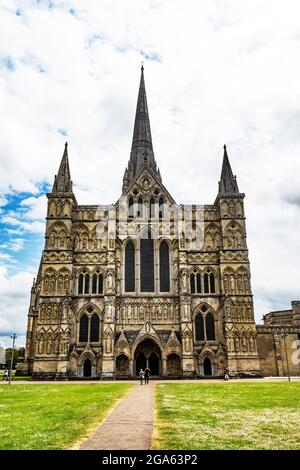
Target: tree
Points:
(15, 358)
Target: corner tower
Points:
(238, 313)
(55, 279)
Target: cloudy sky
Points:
(217, 71)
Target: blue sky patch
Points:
(151, 56)
(8, 63)
(63, 131)
(21, 232)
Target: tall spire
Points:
(141, 149)
(227, 184)
(62, 182)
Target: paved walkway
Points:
(129, 426)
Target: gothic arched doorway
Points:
(122, 365)
(173, 364)
(154, 364)
(87, 368)
(207, 369)
(140, 362)
(148, 354)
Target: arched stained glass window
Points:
(147, 264)
(94, 331)
(97, 283)
(199, 327)
(84, 283)
(212, 283)
(209, 282)
(195, 282)
(164, 267)
(205, 325)
(84, 328)
(94, 285)
(130, 207)
(192, 282)
(161, 208)
(140, 212)
(87, 284)
(129, 268)
(210, 327)
(80, 284)
(198, 283)
(152, 208)
(100, 283)
(206, 283)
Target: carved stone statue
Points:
(184, 280)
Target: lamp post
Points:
(284, 335)
(13, 337)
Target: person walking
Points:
(142, 376)
(226, 374)
(5, 375)
(147, 375)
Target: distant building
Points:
(280, 330)
(148, 282)
(2, 356)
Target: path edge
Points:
(92, 429)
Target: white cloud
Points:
(32, 227)
(3, 201)
(16, 244)
(228, 72)
(14, 295)
(5, 256)
(28, 216)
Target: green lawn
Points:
(227, 416)
(53, 416)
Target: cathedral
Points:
(149, 282)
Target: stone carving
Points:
(50, 312)
(234, 256)
(58, 236)
(110, 309)
(90, 258)
(57, 257)
(202, 258)
(231, 209)
(156, 310)
(184, 280)
(110, 281)
(108, 341)
(236, 281)
(233, 237)
(52, 342)
(187, 341)
(185, 309)
(56, 282)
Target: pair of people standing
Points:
(144, 376)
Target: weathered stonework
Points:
(195, 315)
(278, 342)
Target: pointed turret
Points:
(62, 182)
(141, 149)
(227, 184)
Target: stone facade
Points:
(278, 342)
(145, 281)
